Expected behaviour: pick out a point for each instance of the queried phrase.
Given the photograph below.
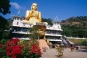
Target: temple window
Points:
(17, 23)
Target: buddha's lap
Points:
(33, 20)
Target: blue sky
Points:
(50, 8)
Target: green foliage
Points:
(2, 49)
(7, 49)
(4, 9)
(34, 56)
(3, 53)
(10, 21)
(25, 52)
(3, 41)
(34, 35)
(49, 21)
(33, 42)
(75, 26)
(27, 47)
(76, 41)
(77, 19)
(4, 25)
(84, 43)
(4, 6)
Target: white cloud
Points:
(15, 5)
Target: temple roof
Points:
(56, 20)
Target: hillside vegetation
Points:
(75, 26)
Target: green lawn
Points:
(77, 41)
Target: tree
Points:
(4, 9)
(85, 35)
(84, 43)
(4, 6)
(76, 26)
(4, 25)
(81, 33)
(34, 34)
(10, 21)
(49, 21)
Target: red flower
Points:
(16, 40)
(13, 49)
(16, 50)
(12, 42)
(13, 56)
(9, 50)
(35, 49)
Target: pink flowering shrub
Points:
(13, 49)
(35, 49)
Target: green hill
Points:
(75, 26)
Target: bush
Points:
(17, 49)
(84, 43)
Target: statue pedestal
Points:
(34, 23)
(40, 25)
(26, 22)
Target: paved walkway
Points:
(52, 53)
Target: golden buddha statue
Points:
(33, 15)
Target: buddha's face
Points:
(34, 6)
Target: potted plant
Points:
(44, 49)
(60, 52)
(72, 48)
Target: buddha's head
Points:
(34, 6)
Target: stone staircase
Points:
(43, 43)
(66, 41)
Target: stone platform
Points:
(52, 53)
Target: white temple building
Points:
(21, 30)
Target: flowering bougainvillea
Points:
(13, 49)
(35, 49)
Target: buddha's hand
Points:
(32, 11)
